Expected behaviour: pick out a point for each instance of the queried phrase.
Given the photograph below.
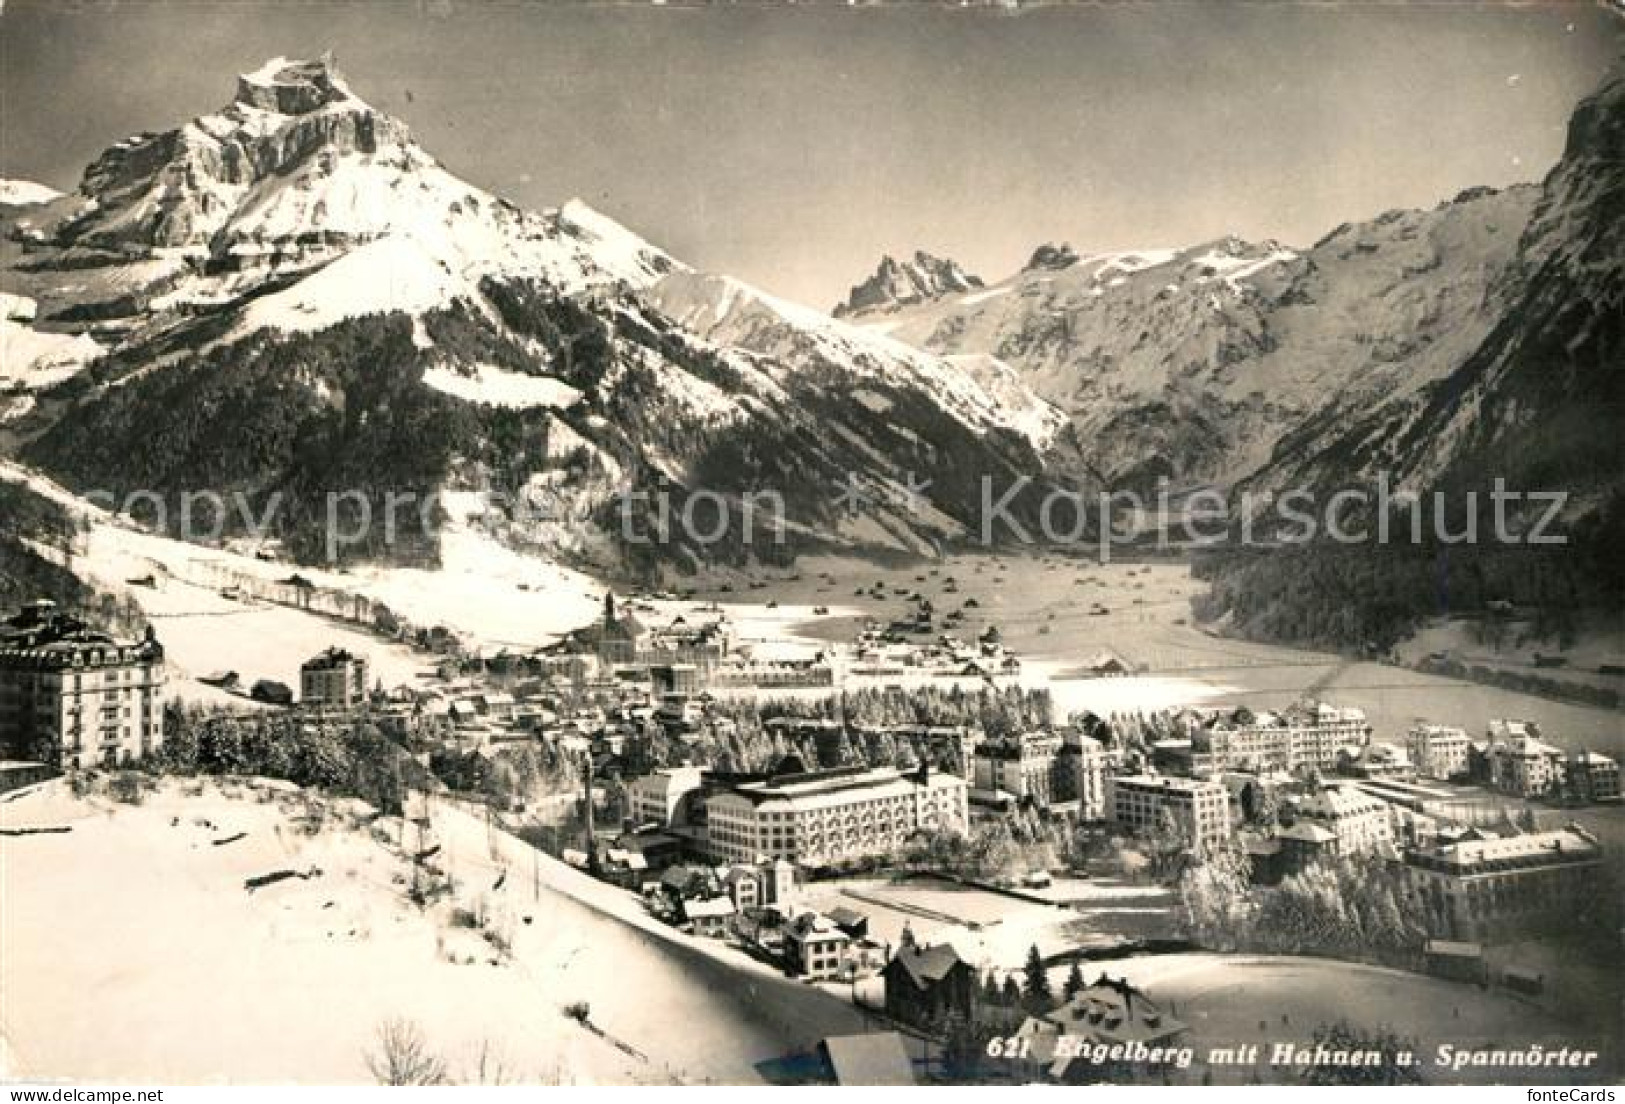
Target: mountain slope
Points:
(297, 299)
(1539, 400)
(1192, 364)
(1535, 404)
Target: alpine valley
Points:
(290, 296)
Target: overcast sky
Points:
(792, 146)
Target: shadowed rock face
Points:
(1052, 257)
(176, 190)
(896, 283)
(293, 88)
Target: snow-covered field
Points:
(130, 950)
(1056, 613)
(488, 593)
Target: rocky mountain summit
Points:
(1193, 364)
(900, 283)
(290, 295)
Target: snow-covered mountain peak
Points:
(295, 173)
(895, 284)
(294, 87)
(1052, 256)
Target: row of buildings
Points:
(839, 814)
(1513, 759)
(1306, 736)
(73, 696)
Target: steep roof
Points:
(928, 965)
(1114, 1010)
(874, 1059)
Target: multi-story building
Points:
(769, 883)
(1200, 810)
(75, 697)
(674, 678)
(1304, 737)
(1588, 777)
(654, 797)
(1082, 775)
(824, 816)
(334, 679)
(1486, 888)
(1021, 766)
(1111, 1013)
(1519, 762)
(815, 945)
(1357, 820)
(1437, 751)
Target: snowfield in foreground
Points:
(133, 951)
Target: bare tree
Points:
(490, 1065)
(403, 1057)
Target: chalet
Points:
(744, 887)
(925, 986)
(1111, 1013)
(1108, 664)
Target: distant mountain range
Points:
(1420, 343)
(291, 296)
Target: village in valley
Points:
(885, 803)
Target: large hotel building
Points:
(1438, 751)
(1200, 810)
(1487, 888)
(1299, 738)
(74, 697)
(825, 816)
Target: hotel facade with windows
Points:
(1358, 821)
(334, 679)
(1299, 738)
(1200, 810)
(1490, 888)
(74, 697)
(827, 816)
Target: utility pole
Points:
(592, 839)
